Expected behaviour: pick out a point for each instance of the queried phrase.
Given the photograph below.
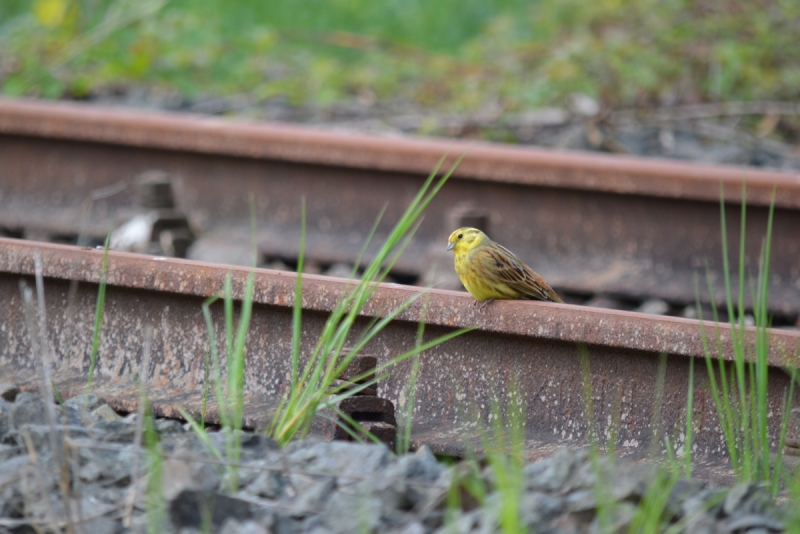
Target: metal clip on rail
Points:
(372, 413)
(158, 227)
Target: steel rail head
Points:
(484, 161)
(451, 309)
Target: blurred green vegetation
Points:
(454, 55)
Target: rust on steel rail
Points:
(484, 161)
(588, 223)
(518, 347)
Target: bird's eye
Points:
(460, 236)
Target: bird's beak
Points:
(450, 246)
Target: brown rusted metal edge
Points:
(518, 350)
(483, 161)
(555, 322)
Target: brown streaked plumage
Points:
(490, 271)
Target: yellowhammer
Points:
(490, 271)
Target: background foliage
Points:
(451, 54)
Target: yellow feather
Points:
(490, 271)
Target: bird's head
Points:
(465, 239)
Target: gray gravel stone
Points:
(28, 409)
(328, 488)
(233, 526)
(114, 431)
(749, 522)
(268, 485)
(550, 474)
(355, 459)
(8, 391)
(41, 439)
(285, 524)
(5, 414)
(168, 426)
(537, 508)
(189, 471)
(190, 507)
(106, 413)
(8, 451)
(85, 403)
(654, 307)
(312, 497)
(619, 519)
(345, 513)
(415, 527)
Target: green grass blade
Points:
(297, 310)
(98, 315)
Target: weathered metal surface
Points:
(589, 224)
(519, 349)
(484, 161)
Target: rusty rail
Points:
(628, 227)
(521, 346)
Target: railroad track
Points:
(629, 228)
(518, 346)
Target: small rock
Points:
(537, 507)
(582, 500)
(631, 480)
(115, 431)
(188, 471)
(257, 446)
(408, 482)
(41, 439)
(233, 526)
(168, 426)
(5, 413)
(278, 265)
(8, 391)
(69, 415)
(706, 502)
(28, 409)
(189, 507)
(422, 465)
(750, 522)
(620, 517)
(415, 527)
(312, 498)
(8, 451)
(464, 523)
(339, 457)
(88, 403)
(735, 497)
(285, 524)
(653, 307)
(703, 524)
(106, 413)
(100, 524)
(682, 490)
(340, 270)
(363, 513)
(268, 485)
(311, 267)
(584, 105)
(550, 474)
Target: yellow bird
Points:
(490, 271)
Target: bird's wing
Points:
(511, 271)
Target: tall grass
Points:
(740, 390)
(312, 387)
(98, 315)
